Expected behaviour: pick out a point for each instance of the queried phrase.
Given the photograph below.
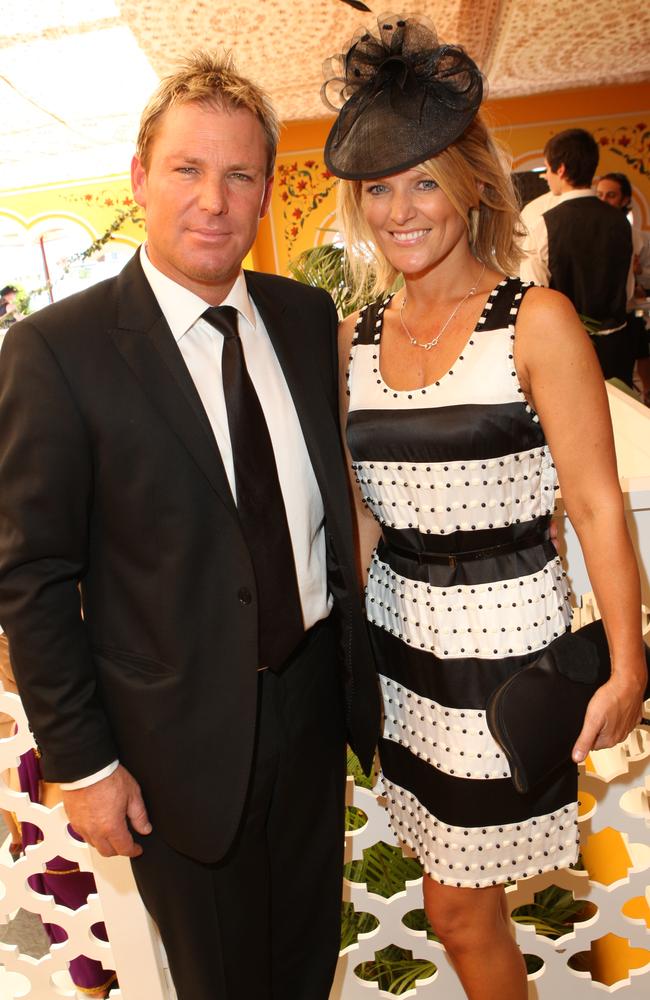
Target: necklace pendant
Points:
(434, 342)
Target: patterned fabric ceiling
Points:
(74, 73)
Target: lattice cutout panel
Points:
(615, 796)
(20, 975)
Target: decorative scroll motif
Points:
(303, 186)
(632, 142)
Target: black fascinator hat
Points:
(401, 97)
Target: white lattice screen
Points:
(615, 795)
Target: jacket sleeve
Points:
(46, 489)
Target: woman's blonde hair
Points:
(473, 173)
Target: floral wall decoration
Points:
(111, 208)
(303, 185)
(632, 142)
(103, 198)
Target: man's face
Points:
(204, 192)
(554, 180)
(610, 191)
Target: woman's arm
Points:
(561, 377)
(367, 529)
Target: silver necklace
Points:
(434, 340)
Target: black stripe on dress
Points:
(455, 682)
(508, 566)
(471, 802)
(468, 432)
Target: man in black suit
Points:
(582, 248)
(196, 728)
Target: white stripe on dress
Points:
(500, 618)
(454, 740)
(443, 497)
(484, 855)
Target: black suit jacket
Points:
(122, 560)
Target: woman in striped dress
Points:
(462, 393)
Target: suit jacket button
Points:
(244, 595)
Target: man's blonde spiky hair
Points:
(208, 78)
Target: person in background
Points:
(9, 311)
(177, 573)
(460, 394)
(584, 250)
(615, 189)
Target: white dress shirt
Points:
(201, 347)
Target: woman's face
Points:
(412, 220)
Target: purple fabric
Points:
(63, 880)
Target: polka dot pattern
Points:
(442, 497)
(452, 740)
(479, 856)
(490, 620)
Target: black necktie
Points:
(259, 500)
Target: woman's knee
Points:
(462, 918)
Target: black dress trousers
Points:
(264, 922)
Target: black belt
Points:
(451, 558)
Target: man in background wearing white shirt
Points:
(583, 248)
(616, 190)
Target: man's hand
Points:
(99, 813)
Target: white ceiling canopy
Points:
(74, 74)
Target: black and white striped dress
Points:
(461, 466)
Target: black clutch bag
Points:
(536, 715)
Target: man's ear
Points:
(561, 171)
(266, 197)
(139, 181)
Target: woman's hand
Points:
(611, 715)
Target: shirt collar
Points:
(576, 193)
(182, 308)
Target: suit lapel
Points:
(145, 341)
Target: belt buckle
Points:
(451, 559)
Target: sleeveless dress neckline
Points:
(469, 343)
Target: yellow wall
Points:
(304, 199)
(93, 204)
